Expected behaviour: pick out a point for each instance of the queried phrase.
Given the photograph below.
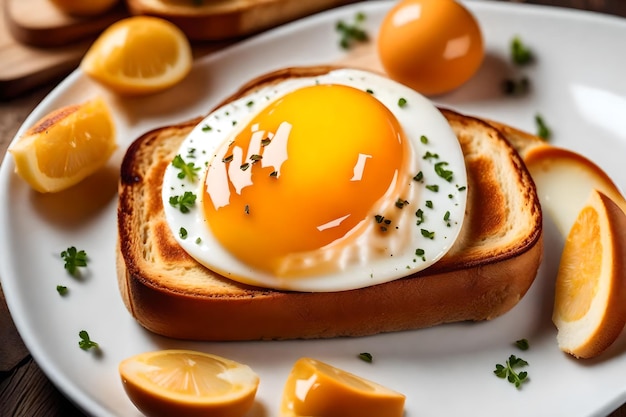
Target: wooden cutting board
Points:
(39, 44)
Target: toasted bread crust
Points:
(488, 270)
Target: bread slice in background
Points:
(486, 273)
(225, 19)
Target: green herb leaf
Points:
(543, 131)
(522, 344)
(429, 155)
(182, 232)
(184, 202)
(442, 172)
(187, 170)
(402, 102)
(366, 357)
(427, 234)
(85, 342)
(352, 33)
(73, 259)
(520, 53)
(420, 216)
(515, 87)
(508, 371)
(62, 289)
(400, 203)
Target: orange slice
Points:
(589, 308)
(314, 388)
(65, 146)
(139, 55)
(564, 180)
(188, 383)
(84, 8)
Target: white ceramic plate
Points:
(579, 88)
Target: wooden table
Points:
(24, 389)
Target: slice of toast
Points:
(488, 270)
(225, 19)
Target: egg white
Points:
(361, 266)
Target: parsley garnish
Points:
(352, 33)
(446, 218)
(62, 289)
(520, 53)
(543, 131)
(400, 203)
(424, 139)
(420, 253)
(522, 344)
(188, 170)
(184, 202)
(442, 172)
(433, 187)
(419, 176)
(73, 259)
(427, 234)
(512, 87)
(85, 342)
(508, 371)
(182, 232)
(401, 102)
(206, 128)
(366, 357)
(420, 216)
(429, 155)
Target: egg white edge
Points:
(441, 141)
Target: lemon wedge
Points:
(315, 388)
(65, 146)
(84, 8)
(188, 383)
(589, 308)
(139, 55)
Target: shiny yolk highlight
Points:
(304, 173)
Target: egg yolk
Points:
(304, 173)
(432, 46)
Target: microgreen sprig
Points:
(508, 371)
(187, 170)
(74, 259)
(85, 341)
(183, 202)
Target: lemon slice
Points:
(589, 308)
(315, 388)
(189, 383)
(84, 8)
(65, 146)
(139, 55)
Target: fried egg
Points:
(325, 183)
